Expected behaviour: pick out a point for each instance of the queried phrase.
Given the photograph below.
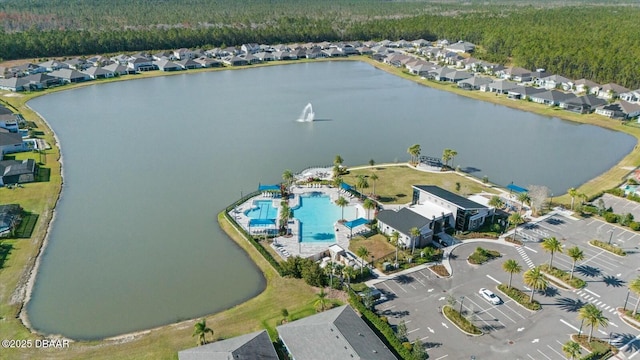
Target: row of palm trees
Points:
(447, 154)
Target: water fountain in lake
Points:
(307, 114)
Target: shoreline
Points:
(23, 292)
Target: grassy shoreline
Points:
(258, 312)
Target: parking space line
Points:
(634, 354)
(555, 351)
(414, 288)
(442, 357)
(512, 310)
(424, 338)
(418, 280)
(483, 310)
(591, 292)
(423, 274)
(414, 330)
(569, 325)
(388, 287)
(531, 357)
(528, 248)
(492, 278)
(495, 307)
(543, 354)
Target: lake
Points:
(149, 163)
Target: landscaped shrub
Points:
(633, 197)
(616, 192)
(634, 225)
(606, 246)
(597, 346)
(610, 217)
(589, 209)
(440, 270)
(576, 282)
(632, 181)
(460, 321)
(520, 297)
(481, 256)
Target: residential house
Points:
(420, 43)
(467, 214)
(9, 122)
(98, 61)
(118, 69)
(251, 58)
(17, 172)
(315, 52)
(499, 86)
(183, 54)
(164, 55)
(555, 82)
(188, 64)
(521, 92)
(10, 142)
(27, 69)
(586, 86)
(631, 96)
(421, 68)
(346, 49)
(99, 73)
(235, 61)
(397, 59)
(4, 110)
(332, 52)
(299, 53)
(206, 62)
(67, 76)
(611, 91)
(166, 65)
(474, 83)
(399, 44)
(461, 47)
(364, 50)
(121, 59)
(403, 221)
(10, 216)
(140, 63)
(14, 84)
(516, 74)
(583, 104)
(76, 64)
(338, 333)
(42, 81)
(250, 48)
(621, 110)
(384, 43)
(455, 76)
(256, 345)
(551, 97)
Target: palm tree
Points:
(446, 156)
(321, 300)
(634, 286)
(372, 162)
(515, 219)
(374, 178)
(571, 349)
(534, 279)
(287, 176)
(200, 330)
(497, 203)
(342, 202)
(524, 198)
(337, 181)
(576, 255)
(512, 267)
(328, 270)
(362, 184)
(453, 154)
(349, 273)
(363, 253)
(395, 237)
(551, 245)
(573, 193)
(414, 232)
(337, 161)
(593, 317)
(414, 151)
(368, 205)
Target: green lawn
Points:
(394, 182)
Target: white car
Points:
(490, 296)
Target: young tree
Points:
(524, 198)
(414, 151)
(512, 267)
(285, 314)
(515, 219)
(200, 330)
(534, 279)
(342, 202)
(338, 160)
(418, 351)
(349, 273)
(401, 331)
(368, 204)
(363, 253)
(446, 156)
(372, 162)
(571, 349)
(395, 238)
(321, 300)
(362, 184)
(551, 245)
(539, 196)
(374, 178)
(573, 193)
(576, 255)
(593, 317)
(497, 203)
(287, 176)
(415, 233)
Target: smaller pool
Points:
(357, 222)
(262, 209)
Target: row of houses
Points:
(338, 333)
(12, 140)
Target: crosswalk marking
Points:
(525, 257)
(595, 301)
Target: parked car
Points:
(490, 296)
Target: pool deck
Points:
(290, 245)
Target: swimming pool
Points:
(317, 214)
(262, 209)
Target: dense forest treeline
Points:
(597, 42)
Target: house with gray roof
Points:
(523, 92)
(631, 96)
(67, 76)
(611, 91)
(338, 333)
(403, 221)
(461, 47)
(474, 83)
(253, 346)
(14, 84)
(99, 73)
(10, 143)
(10, 215)
(206, 62)
(167, 65)
(555, 82)
(141, 63)
(515, 73)
(119, 69)
(467, 214)
(17, 172)
(500, 86)
(586, 86)
(583, 104)
(621, 110)
(188, 64)
(10, 122)
(551, 97)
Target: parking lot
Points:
(511, 331)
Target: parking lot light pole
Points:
(580, 330)
(461, 301)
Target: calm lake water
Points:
(149, 163)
